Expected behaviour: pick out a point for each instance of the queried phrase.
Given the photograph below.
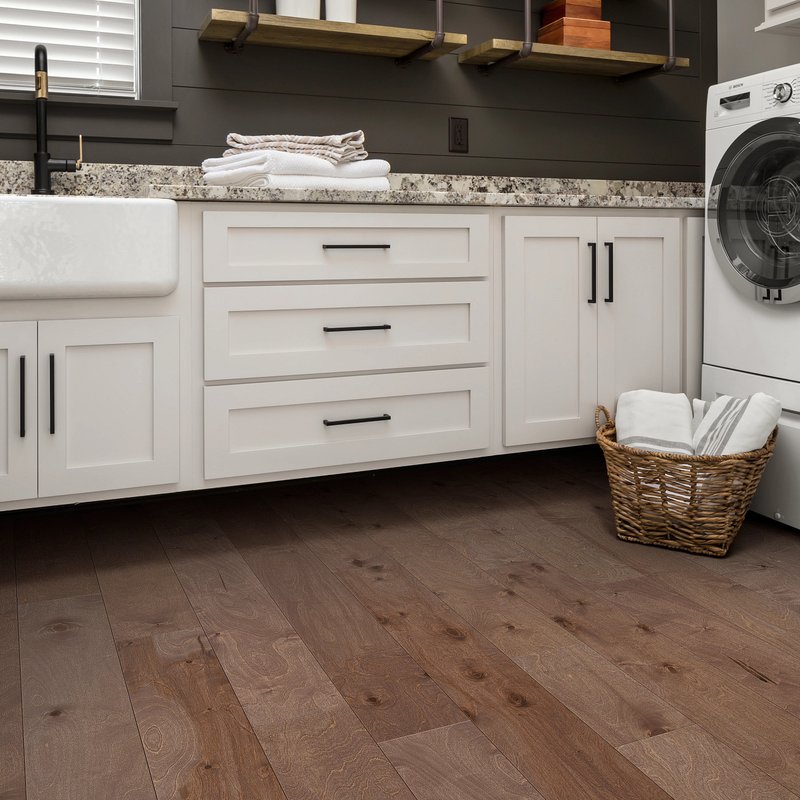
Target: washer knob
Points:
(783, 92)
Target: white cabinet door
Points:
(550, 328)
(108, 404)
(640, 317)
(18, 416)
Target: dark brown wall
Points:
(521, 122)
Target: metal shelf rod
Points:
(430, 47)
(237, 45)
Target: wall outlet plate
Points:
(459, 135)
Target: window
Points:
(93, 45)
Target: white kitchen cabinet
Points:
(640, 313)
(108, 404)
(18, 419)
(781, 16)
(592, 309)
(550, 329)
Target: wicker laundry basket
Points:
(693, 503)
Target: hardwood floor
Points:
(448, 632)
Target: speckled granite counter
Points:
(185, 183)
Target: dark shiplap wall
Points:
(521, 122)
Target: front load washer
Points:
(752, 262)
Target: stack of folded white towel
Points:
(298, 162)
(670, 423)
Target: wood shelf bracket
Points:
(237, 45)
(432, 46)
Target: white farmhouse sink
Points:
(75, 247)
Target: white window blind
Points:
(92, 45)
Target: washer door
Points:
(754, 211)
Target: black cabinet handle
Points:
(356, 247)
(593, 248)
(52, 393)
(610, 246)
(326, 329)
(22, 397)
(329, 423)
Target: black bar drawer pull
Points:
(326, 329)
(22, 397)
(329, 423)
(52, 393)
(610, 246)
(356, 247)
(593, 247)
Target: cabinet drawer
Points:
(266, 331)
(258, 246)
(253, 429)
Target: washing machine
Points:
(752, 262)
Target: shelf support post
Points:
(527, 44)
(671, 62)
(237, 45)
(430, 47)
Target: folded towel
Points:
(279, 163)
(699, 410)
(337, 148)
(736, 425)
(655, 421)
(257, 177)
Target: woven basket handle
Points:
(597, 412)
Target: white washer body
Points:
(752, 275)
(745, 330)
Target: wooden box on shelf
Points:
(594, 34)
(577, 9)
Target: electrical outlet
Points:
(459, 135)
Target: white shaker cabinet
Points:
(18, 418)
(108, 404)
(592, 309)
(640, 312)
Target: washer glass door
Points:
(754, 210)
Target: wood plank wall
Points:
(521, 123)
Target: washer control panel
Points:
(781, 93)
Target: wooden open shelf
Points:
(558, 58)
(333, 37)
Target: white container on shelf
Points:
(310, 9)
(340, 10)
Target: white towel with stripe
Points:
(257, 178)
(655, 421)
(276, 162)
(733, 425)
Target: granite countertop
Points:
(186, 183)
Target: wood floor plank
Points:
(451, 502)
(768, 670)
(197, 739)
(80, 734)
(690, 764)
(758, 731)
(12, 762)
(53, 560)
(603, 696)
(559, 754)
(456, 763)
(386, 688)
(316, 744)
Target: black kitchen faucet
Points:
(43, 165)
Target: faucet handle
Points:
(79, 162)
